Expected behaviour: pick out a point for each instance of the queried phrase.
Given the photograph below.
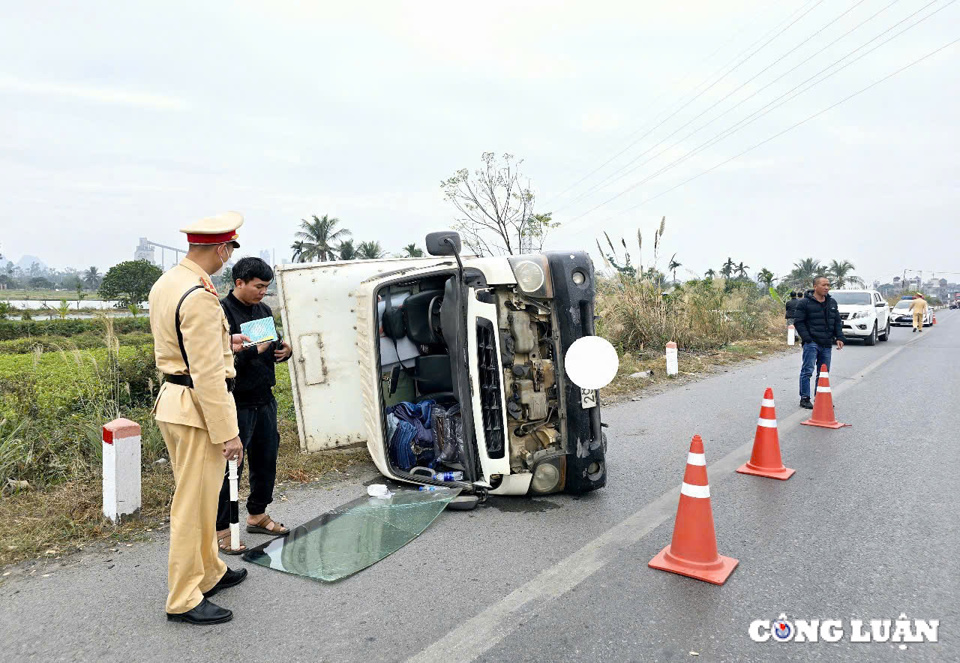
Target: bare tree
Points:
(496, 207)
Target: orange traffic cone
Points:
(823, 404)
(934, 319)
(765, 460)
(693, 551)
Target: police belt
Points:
(187, 381)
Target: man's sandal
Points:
(266, 525)
(223, 542)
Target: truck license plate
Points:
(588, 398)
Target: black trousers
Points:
(261, 443)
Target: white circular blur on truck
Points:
(591, 362)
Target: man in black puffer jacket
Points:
(818, 324)
(791, 313)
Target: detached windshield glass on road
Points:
(862, 298)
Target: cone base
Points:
(824, 424)
(666, 562)
(783, 473)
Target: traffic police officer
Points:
(196, 414)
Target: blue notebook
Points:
(259, 331)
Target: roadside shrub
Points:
(637, 315)
(85, 341)
(13, 329)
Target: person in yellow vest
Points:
(196, 414)
(919, 309)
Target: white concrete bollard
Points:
(791, 335)
(121, 469)
(233, 475)
(673, 362)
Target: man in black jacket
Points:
(818, 324)
(256, 407)
(791, 313)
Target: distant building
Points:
(145, 251)
(265, 256)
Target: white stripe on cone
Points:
(696, 459)
(767, 402)
(690, 490)
(767, 423)
(825, 374)
(823, 390)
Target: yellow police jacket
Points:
(206, 340)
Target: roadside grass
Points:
(68, 517)
(50, 295)
(692, 364)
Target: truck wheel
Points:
(886, 334)
(872, 338)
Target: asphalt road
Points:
(866, 529)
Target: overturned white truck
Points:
(469, 353)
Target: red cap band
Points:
(212, 239)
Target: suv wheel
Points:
(886, 334)
(872, 338)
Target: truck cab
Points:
(450, 368)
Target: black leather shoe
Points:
(806, 404)
(229, 579)
(204, 614)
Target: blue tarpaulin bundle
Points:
(411, 437)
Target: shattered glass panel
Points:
(353, 536)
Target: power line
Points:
(735, 106)
(773, 105)
(792, 127)
(701, 93)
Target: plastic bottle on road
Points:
(449, 476)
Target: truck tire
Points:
(872, 338)
(886, 334)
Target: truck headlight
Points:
(858, 314)
(549, 475)
(531, 275)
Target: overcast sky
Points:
(129, 119)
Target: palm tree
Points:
(804, 272)
(412, 251)
(840, 272)
(765, 276)
(369, 250)
(710, 273)
(346, 250)
(742, 271)
(318, 238)
(297, 248)
(672, 266)
(727, 270)
(92, 278)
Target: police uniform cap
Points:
(218, 229)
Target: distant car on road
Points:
(902, 317)
(864, 313)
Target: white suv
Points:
(865, 314)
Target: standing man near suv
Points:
(818, 324)
(919, 309)
(256, 406)
(791, 313)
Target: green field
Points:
(55, 295)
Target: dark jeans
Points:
(261, 443)
(814, 356)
